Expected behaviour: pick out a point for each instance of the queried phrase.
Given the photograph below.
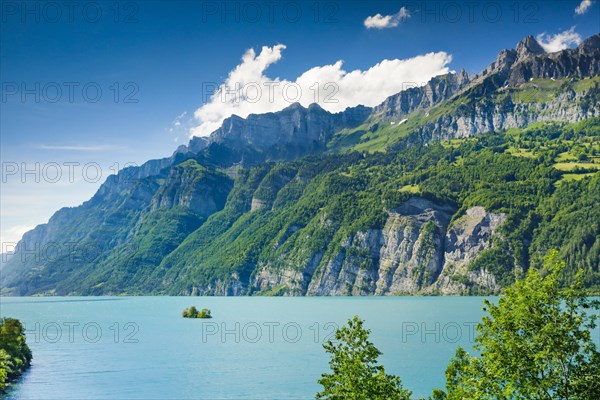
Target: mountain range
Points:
(454, 187)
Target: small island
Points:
(193, 312)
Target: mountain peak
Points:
(315, 107)
(590, 44)
(529, 46)
(295, 106)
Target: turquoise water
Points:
(254, 347)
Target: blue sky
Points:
(158, 56)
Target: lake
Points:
(254, 347)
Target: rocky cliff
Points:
(291, 133)
(437, 90)
(510, 93)
(490, 116)
(417, 251)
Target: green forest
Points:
(285, 215)
(15, 355)
(544, 178)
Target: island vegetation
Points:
(535, 343)
(15, 355)
(193, 312)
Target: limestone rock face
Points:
(417, 251)
(468, 236)
(482, 118)
(285, 135)
(512, 68)
(413, 238)
(294, 125)
(438, 89)
(528, 47)
(529, 61)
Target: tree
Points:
(5, 367)
(15, 355)
(193, 312)
(355, 372)
(535, 344)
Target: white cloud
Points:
(560, 41)
(183, 114)
(177, 121)
(583, 7)
(248, 90)
(379, 21)
(180, 127)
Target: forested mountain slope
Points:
(455, 187)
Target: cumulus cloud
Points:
(560, 41)
(583, 7)
(379, 21)
(248, 90)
